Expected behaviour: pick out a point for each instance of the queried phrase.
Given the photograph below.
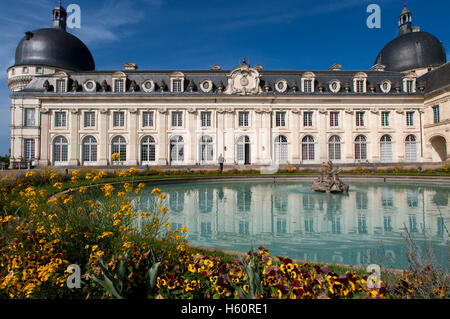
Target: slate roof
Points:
(322, 79)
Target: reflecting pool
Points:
(292, 221)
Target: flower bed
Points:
(96, 228)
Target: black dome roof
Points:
(412, 50)
(54, 47)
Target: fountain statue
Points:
(331, 183)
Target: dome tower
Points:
(412, 50)
(45, 51)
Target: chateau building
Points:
(64, 112)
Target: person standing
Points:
(221, 163)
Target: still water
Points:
(288, 218)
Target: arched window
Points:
(281, 149)
(177, 150)
(243, 150)
(148, 150)
(60, 150)
(308, 153)
(386, 149)
(360, 148)
(89, 150)
(411, 148)
(206, 149)
(334, 148)
(119, 146)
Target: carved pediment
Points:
(244, 80)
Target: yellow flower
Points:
(58, 185)
(89, 176)
(168, 224)
(156, 191)
(127, 245)
(102, 174)
(127, 187)
(162, 196)
(132, 170)
(163, 209)
(83, 189)
(105, 234)
(183, 229)
(30, 174)
(115, 156)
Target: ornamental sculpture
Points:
(244, 80)
(331, 183)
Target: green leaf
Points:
(107, 284)
(152, 272)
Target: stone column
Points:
(103, 143)
(347, 125)
(323, 142)
(74, 158)
(163, 143)
(44, 159)
(133, 155)
(294, 124)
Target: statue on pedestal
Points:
(331, 183)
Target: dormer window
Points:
(386, 86)
(60, 86)
(281, 86)
(118, 86)
(308, 79)
(177, 82)
(360, 83)
(25, 70)
(409, 83)
(119, 82)
(61, 82)
(335, 86)
(176, 86)
(39, 70)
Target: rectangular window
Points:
(39, 70)
(280, 119)
(25, 70)
(30, 117)
(243, 118)
(410, 86)
(359, 118)
(436, 114)
(118, 86)
(385, 118)
(60, 86)
(28, 150)
(60, 119)
(308, 119)
(89, 119)
(147, 119)
(205, 119)
(177, 119)
(118, 119)
(410, 118)
(176, 86)
(307, 86)
(360, 86)
(334, 118)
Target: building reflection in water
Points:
(291, 220)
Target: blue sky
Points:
(181, 35)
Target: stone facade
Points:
(67, 117)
